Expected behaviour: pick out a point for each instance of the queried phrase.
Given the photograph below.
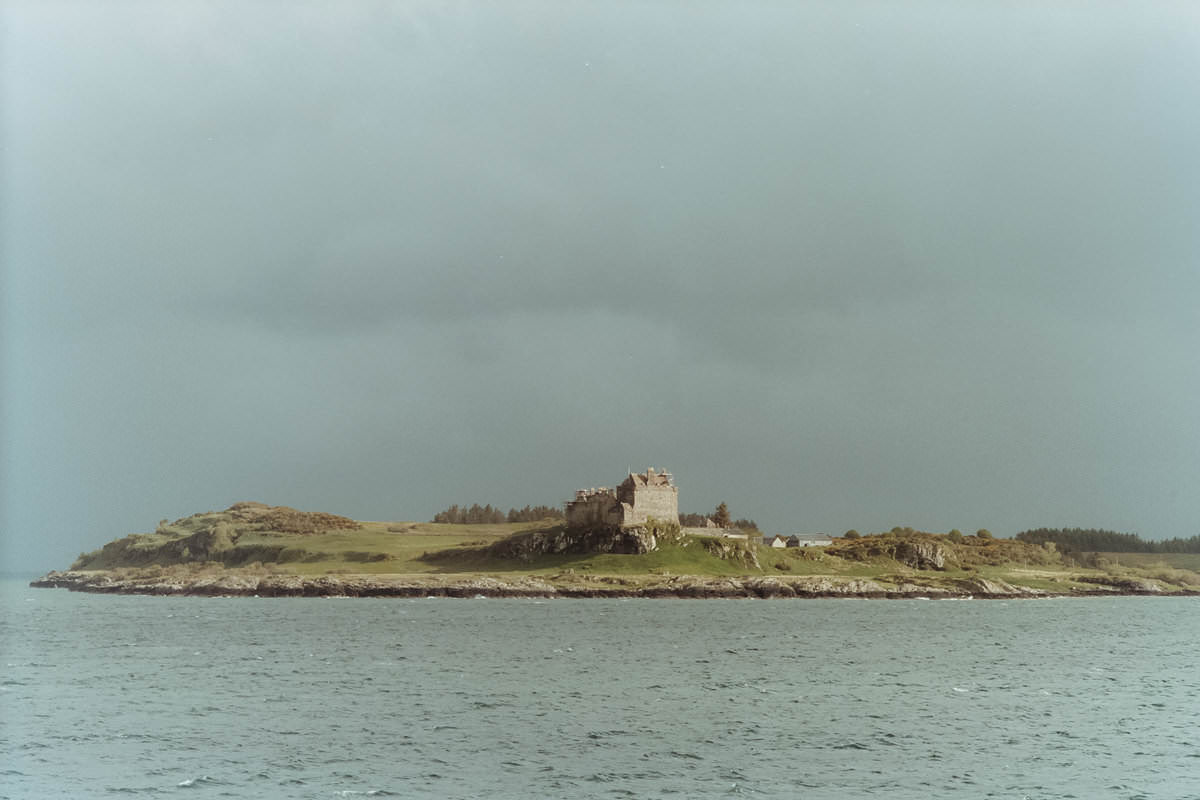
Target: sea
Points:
(111, 696)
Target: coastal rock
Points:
(921, 554)
(769, 587)
(916, 590)
(1122, 584)
(995, 588)
(240, 584)
(825, 586)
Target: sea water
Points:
(105, 696)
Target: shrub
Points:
(983, 533)
(955, 536)
(851, 534)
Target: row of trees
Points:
(955, 535)
(720, 517)
(486, 515)
(1095, 540)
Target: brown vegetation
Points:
(964, 552)
(288, 520)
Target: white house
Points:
(808, 541)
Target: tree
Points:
(955, 535)
(851, 534)
(490, 515)
(721, 516)
(983, 533)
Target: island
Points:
(621, 542)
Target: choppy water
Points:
(321, 698)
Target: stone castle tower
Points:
(638, 498)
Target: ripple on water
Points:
(819, 699)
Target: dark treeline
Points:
(1079, 540)
(698, 521)
(486, 515)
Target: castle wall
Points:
(659, 502)
(592, 508)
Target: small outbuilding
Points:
(809, 541)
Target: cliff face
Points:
(595, 539)
(921, 555)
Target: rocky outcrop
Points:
(595, 539)
(234, 583)
(922, 551)
(984, 587)
(921, 554)
(1122, 584)
(736, 550)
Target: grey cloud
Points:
(881, 265)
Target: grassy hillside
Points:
(685, 557)
(292, 541)
(257, 539)
(281, 540)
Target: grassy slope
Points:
(1190, 561)
(689, 558)
(398, 547)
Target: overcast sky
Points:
(840, 265)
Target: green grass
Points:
(382, 547)
(689, 558)
(676, 559)
(207, 542)
(375, 547)
(1188, 561)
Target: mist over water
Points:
(322, 698)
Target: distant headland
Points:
(621, 542)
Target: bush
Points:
(1183, 577)
(851, 534)
(955, 536)
(983, 533)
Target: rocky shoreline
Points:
(233, 584)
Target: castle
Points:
(638, 498)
